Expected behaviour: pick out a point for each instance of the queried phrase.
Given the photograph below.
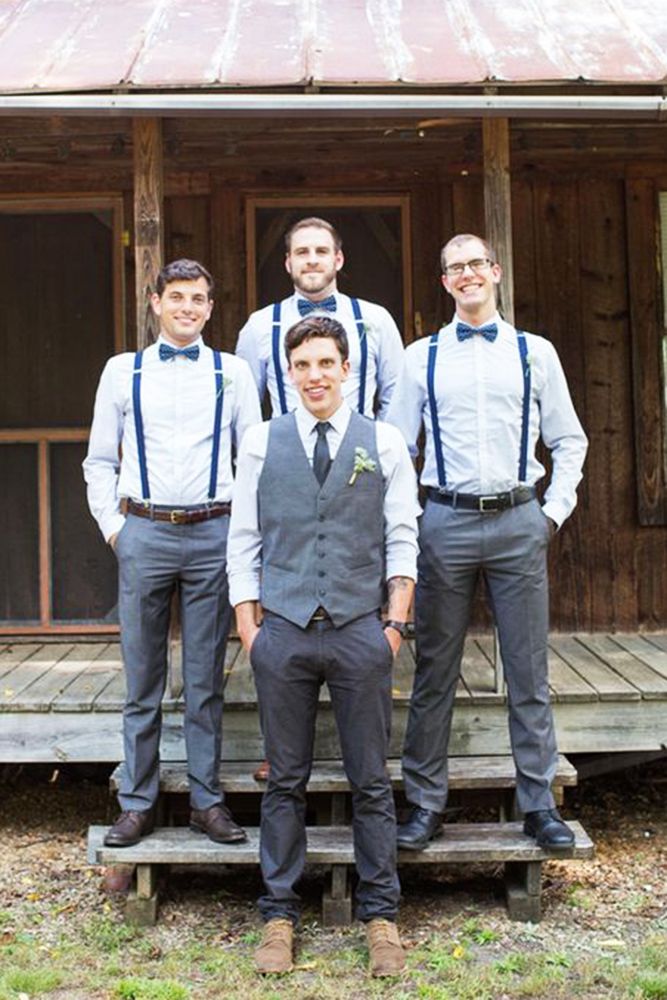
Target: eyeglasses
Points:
(478, 264)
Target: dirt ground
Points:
(54, 905)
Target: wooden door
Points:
(60, 288)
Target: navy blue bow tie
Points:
(489, 332)
(305, 306)
(168, 353)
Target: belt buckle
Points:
(176, 515)
(484, 509)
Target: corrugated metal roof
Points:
(83, 45)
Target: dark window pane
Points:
(19, 534)
(84, 586)
(56, 325)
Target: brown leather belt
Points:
(177, 515)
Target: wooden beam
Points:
(148, 221)
(646, 339)
(498, 204)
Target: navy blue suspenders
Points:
(363, 348)
(433, 407)
(139, 424)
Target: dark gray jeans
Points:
(154, 557)
(290, 665)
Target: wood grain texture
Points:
(148, 221)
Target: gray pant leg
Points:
(515, 567)
(288, 676)
(358, 666)
(205, 619)
(147, 569)
(448, 567)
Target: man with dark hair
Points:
(159, 475)
(313, 258)
(484, 393)
(324, 520)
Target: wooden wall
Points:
(584, 224)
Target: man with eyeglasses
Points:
(485, 393)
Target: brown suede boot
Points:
(385, 951)
(275, 951)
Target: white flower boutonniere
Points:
(362, 463)
(226, 382)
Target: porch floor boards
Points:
(61, 700)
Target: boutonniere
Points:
(362, 463)
(226, 382)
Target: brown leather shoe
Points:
(130, 827)
(385, 951)
(274, 954)
(262, 772)
(217, 823)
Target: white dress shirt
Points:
(479, 393)
(178, 409)
(401, 509)
(385, 352)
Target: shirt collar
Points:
(299, 295)
(338, 420)
(199, 342)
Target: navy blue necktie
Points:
(489, 332)
(168, 353)
(305, 306)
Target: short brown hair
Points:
(460, 238)
(317, 223)
(183, 270)
(317, 326)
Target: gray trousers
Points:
(290, 665)
(510, 549)
(154, 558)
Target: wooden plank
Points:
(39, 696)
(148, 221)
(228, 250)
(658, 639)
(22, 675)
(651, 684)
(637, 645)
(15, 653)
(81, 693)
(565, 683)
(498, 204)
(607, 683)
(478, 672)
(460, 842)
(646, 331)
(329, 776)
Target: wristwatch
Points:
(400, 627)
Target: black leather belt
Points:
(490, 503)
(177, 515)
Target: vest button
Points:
(321, 572)
(321, 537)
(320, 517)
(323, 591)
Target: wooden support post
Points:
(523, 886)
(148, 221)
(337, 904)
(498, 221)
(141, 905)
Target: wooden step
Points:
(459, 842)
(329, 776)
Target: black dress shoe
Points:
(217, 823)
(422, 826)
(130, 827)
(549, 830)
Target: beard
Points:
(313, 282)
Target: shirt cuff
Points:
(556, 511)
(111, 525)
(244, 587)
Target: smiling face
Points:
(317, 371)
(183, 309)
(313, 262)
(474, 291)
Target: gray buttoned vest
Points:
(321, 546)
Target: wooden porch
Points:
(62, 701)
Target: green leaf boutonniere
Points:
(362, 463)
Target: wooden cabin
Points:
(130, 136)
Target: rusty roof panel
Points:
(79, 45)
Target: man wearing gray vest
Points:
(324, 521)
(484, 393)
(159, 475)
